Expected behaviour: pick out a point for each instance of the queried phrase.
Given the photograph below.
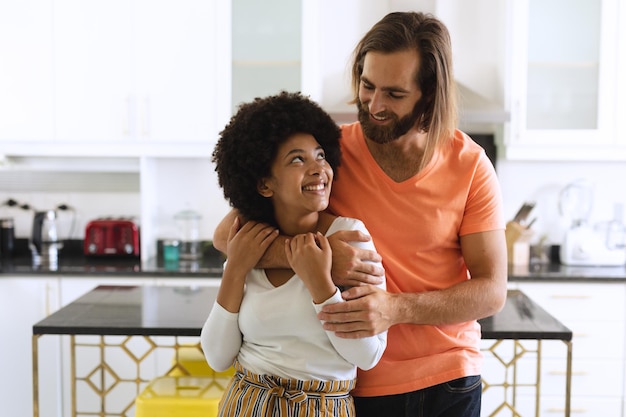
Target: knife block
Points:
(518, 243)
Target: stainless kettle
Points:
(44, 242)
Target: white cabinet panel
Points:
(590, 378)
(596, 315)
(93, 58)
(177, 56)
(23, 302)
(139, 70)
(26, 92)
(115, 78)
(579, 302)
(580, 407)
(564, 70)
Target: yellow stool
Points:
(189, 360)
(188, 396)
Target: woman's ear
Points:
(263, 189)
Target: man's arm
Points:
(351, 265)
(370, 310)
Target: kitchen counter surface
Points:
(81, 266)
(557, 272)
(181, 311)
(74, 263)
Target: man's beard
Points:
(391, 131)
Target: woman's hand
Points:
(310, 257)
(247, 244)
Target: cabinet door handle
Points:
(562, 410)
(47, 312)
(145, 117)
(126, 117)
(517, 134)
(574, 373)
(572, 297)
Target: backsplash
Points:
(542, 182)
(197, 189)
(182, 184)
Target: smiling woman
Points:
(249, 144)
(275, 161)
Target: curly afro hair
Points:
(249, 144)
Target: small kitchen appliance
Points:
(44, 242)
(110, 236)
(188, 222)
(7, 237)
(582, 245)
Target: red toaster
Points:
(112, 237)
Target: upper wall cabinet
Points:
(266, 48)
(140, 77)
(564, 78)
(26, 84)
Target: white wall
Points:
(542, 182)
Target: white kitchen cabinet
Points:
(26, 86)
(266, 48)
(621, 78)
(596, 314)
(585, 407)
(93, 69)
(143, 70)
(129, 78)
(565, 60)
(24, 301)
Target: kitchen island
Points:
(151, 313)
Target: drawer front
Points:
(568, 302)
(591, 340)
(579, 407)
(589, 378)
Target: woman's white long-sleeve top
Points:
(277, 331)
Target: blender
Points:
(582, 245)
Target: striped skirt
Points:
(252, 395)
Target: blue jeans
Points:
(458, 398)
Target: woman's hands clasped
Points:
(310, 257)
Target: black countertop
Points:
(557, 272)
(207, 267)
(181, 311)
(73, 263)
(211, 267)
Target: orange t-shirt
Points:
(416, 226)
